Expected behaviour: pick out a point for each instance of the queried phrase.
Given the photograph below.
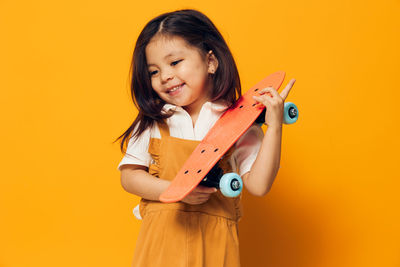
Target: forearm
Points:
(143, 184)
(266, 166)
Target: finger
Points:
(261, 101)
(201, 200)
(205, 189)
(204, 198)
(206, 195)
(266, 91)
(285, 92)
(272, 92)
(268, 94)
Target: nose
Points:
(166, 75)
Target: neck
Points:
(195, 108)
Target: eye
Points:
(152, 73)
(175, 62)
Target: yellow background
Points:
(65, 97)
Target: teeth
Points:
(175, 88)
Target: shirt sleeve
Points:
(247, 147)
(137, 151)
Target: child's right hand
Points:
(199, 195)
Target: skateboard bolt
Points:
(235, 185)
(292, 112)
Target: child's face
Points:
(172, 62)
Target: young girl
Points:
(183, 79)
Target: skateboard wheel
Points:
(231, 184)
(290, 113)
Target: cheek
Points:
(195, 73)
(155, 84)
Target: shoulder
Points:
(137, 150)
(134, 138)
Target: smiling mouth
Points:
(175, 88)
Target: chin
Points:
(181, 103)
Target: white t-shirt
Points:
(181, 126)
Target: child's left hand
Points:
(274, 103)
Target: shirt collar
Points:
(215, 106)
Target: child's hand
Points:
(274, 102)
(199, 195)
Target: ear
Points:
(212, 62)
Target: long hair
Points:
(197, 30)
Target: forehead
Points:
(161, 48)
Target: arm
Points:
(265, 168)
(136, 180)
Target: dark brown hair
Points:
(198, 31)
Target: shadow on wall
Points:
(278, 230)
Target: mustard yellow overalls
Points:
(180, 234)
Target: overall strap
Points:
(164, 129)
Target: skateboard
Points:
(202, 165)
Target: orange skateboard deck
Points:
(225, 132)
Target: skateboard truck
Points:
(290, 114)
(230, 184)
(213, 176)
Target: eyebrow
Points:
(169, 55)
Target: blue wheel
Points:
(290, 113)
(231, 184)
